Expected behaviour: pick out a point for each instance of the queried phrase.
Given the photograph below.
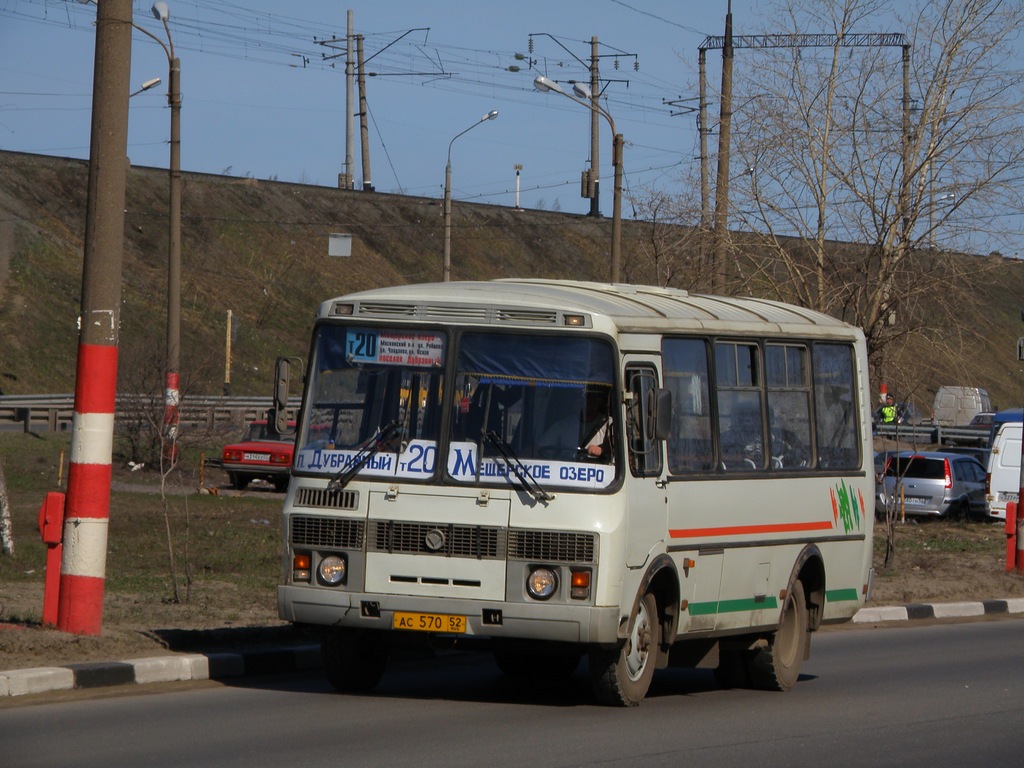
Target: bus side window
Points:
(690, 447)
(644, 453)
(835, 406)
(789, 405)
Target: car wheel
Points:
(960, 511)
(238, 482)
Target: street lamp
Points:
(446, 274)
(171, 394)
(580, 94)
(146, 86)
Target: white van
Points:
(1004, 468)
(956, 406)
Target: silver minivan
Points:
(936, 484)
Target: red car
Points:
(259, 456)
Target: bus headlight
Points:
(332, 571)
(542, 583)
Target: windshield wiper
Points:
(369, 449)
(526, 481)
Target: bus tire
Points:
(354, 661)
(621, 677)
(776, 666)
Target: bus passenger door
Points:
(646, 524)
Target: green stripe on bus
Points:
(732, 606)
(840, 595)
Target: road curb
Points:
(219, 666)
(917, 611)
(159, 669)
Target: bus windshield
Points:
(536, 404)
(374, 402)
(542, 402)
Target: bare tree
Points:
(670, 252)
(6, 532)
(870, 170)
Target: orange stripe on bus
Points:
(741, 530)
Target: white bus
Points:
(550, 470)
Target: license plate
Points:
(257, 457)
(915, 500)
(429, 622)
(1005, 496)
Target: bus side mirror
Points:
(277, 418)
(662, 414)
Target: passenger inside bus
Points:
(577, 426)
(743, 442)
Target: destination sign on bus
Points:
(417, 349)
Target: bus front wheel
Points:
(353, 660)
(622, 677)
(776, 666)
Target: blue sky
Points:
(260, 99)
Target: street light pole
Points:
(446, 272)
(171, 392)
(544, 85)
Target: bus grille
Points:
(445, 540)
(551, 546)
(326, 532)
(464, 312)
(325, 498)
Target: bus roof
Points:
(629, 307)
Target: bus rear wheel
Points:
(623, 676)
(776, 666)
(354, 661)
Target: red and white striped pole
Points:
(87, 509)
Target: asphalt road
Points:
(934, 695)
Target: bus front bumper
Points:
(585, 624)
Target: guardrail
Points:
(53, 413)
(935, 434)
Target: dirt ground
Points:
(933, 562)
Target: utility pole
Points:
(702, 128)
(591, 177)
(718, 275)
(594, 187)
(348, 174)
(728, 44)
(364, 128)
(87, 506)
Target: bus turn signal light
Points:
(580, 585)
